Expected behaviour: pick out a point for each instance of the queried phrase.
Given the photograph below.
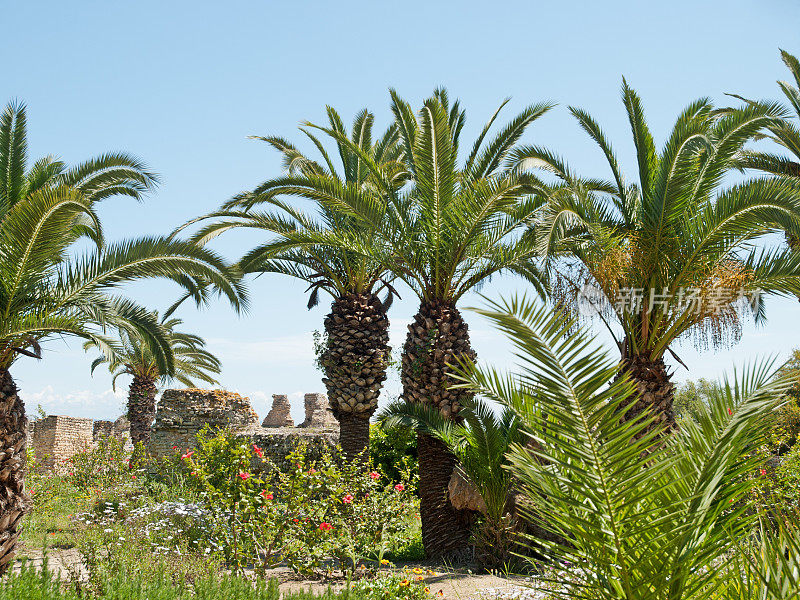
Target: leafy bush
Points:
(102, 466)
(315, 510)
(394, 454)
(639, 515)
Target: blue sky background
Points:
(182, 85)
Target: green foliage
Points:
(393, 452)
(672, 230)
(315, 510)
(690, 396)
(639, 515)
(131, 355)
(101, 467)
(118, 584)
(480, 443)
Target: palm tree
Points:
(446, 233)
(46, 292)
(480, 443)
(333, 252)
(643, 515)
(134, 356)
(672, 255)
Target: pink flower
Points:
(267, 495)
(245, 476)
(375, 475)
(188, 455)
(730, 412)
(762, 471)
(312, 471)
(259, 452)
(325, 526)
(348, 499)
(133, 476)
(399, 487)
(194, 473)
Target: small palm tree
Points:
(333, 252)
(672, 255)
(445, 234)
(480, 443)
(132, 355)
(46, 292)
(640, 516)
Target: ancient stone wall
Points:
(181, 414)
(57, 438)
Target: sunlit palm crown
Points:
(675, 231)
(451, 227)
(45, 289)
(329, 248)
(134, 356)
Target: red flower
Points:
(267, 495)
(187, 455)
(295, 520)
(259, 452)
(375, 475)
(174, 447)
(730, 412)
(133, 476)
(399, 487)
(348, 499)
(763, 471)
(194, 472)
(325, 526)
(312, 471)
(245, 476)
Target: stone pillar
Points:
(318, 413)
(280, 414)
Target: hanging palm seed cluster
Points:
(356, 355)
(437, 340)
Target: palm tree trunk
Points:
(141, 408)
(13, 499)
(355, 362)
(655, 390)
(437, 340)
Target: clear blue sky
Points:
(182, 85)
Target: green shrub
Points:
(393, 453)
(313, 511)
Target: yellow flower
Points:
(384, 561)
(405, 583)
(431, 572)
(418, 571)
(419, 578)
(427, 590)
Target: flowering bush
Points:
(101, 467)
(313, 511)
(405, 586)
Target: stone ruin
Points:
(56, 438)
(181, 414)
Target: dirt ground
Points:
(456, 584)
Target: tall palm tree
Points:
(674, 254)
(132, 355)
(446, 233)
(46, 291)
(333, 252)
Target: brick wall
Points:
(57, 438)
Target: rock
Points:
(280, 413)
(463, 494)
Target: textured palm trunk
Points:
(437, 340)
(141, 408)
(655, 390)
(13, 499)
(355, 363)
